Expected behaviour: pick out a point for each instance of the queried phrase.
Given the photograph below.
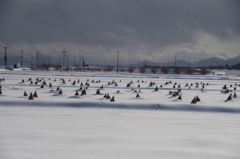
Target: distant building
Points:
(16, 65)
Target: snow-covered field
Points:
(154, 125)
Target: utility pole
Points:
(64, 54)
(175, 59)
(37, 58)
(67, 60)
(117, 61)
(59, 62)
(5, 57)
(21, 58)
(83, 64)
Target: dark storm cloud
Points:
(117, 22)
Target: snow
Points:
(156, 125)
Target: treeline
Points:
(143, 69)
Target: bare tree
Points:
(32, 67)
(204, 71)
(44, 67)
(122, 70)
(190, 71)
(109, 68)
(67, 68)
(57, 67)
(97, 69)
(165, 70)
(142, 69)
(177, 70)
(154, 69)
(131, 69)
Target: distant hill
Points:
(181, 63)
(233, 61)
(213, 61)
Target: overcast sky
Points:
(140, 29)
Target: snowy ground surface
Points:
(155, 125)
(211, 97)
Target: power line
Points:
(50, 52)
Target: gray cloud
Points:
(117, 23)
